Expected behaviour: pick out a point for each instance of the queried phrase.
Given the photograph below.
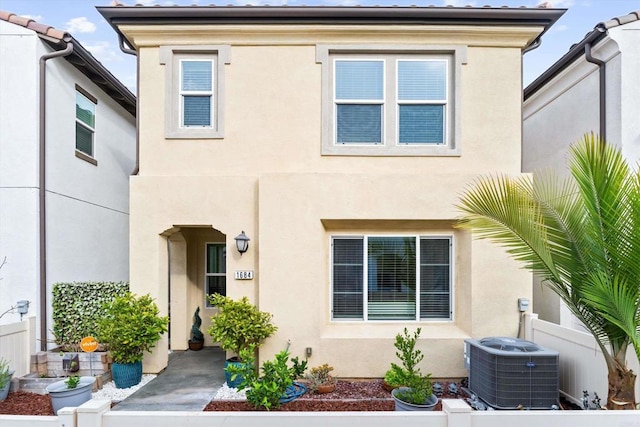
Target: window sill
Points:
(86, 158)
(381, 150)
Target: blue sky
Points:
(81, 19)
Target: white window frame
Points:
(171, 57)
(365, 288)
(186, 93)
(446, 119)
(207, 304)
(90, 157)
(456, 57)
(382, 103)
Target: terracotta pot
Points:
(388, 386)
(325, 388)
(195, 345)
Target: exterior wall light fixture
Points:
(242, 242)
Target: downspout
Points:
(42, 183)
(123, 47)
(534, 45)
(602, 68)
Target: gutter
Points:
(602, 71)
(122, 43)
(42, 163)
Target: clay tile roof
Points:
(30, 24)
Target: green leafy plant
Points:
(77, 307)
(5, 373)
(395, 377)
(266, 391)
(239, 325)
(131, 326)
(580, 236)
(320, 375)
(417, 386)
(72, 382)
(196, 333)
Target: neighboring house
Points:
(594, 87)
(339, 140)
(67, 149)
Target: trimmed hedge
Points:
(77, 306)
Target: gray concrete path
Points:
(189, 382)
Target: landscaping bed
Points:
(350, 395)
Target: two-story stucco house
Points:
(67, 149)
(338, 139)
(592, 88)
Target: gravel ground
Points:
(109, 390)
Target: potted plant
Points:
(5, 379)
(74, 391)
(130, 326)
(320, 379)
(416, 395)
(197, 338)
(240, 328)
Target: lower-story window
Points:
(391, 277)
(216, 270)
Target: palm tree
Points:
(581, 235)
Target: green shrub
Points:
(266, 391)
(77, 307)
(131, 326)
(5, 372)
(418, 385)
(239, 325)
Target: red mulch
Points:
(23, 403)
(354, 395)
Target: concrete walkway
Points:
(189, 382)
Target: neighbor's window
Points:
(391, 278)
(216, 270)
(85, 121)
(194, 90)
(377, 101)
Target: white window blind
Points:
(422, 99)
(196, 93)
(400, 285)
(359, 98)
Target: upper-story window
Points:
(197, 103)
(390, 100)
(194, 91)
(85, 123)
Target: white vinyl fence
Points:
(455, 413)
(17, 342)
(582, 365)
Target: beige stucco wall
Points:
(267, 177)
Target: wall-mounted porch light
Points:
(242, 242)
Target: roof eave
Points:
(392, 15)
(96, 72)
(576, 51)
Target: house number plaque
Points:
(243, 275)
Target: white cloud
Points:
(103, 51)
(562, 4)
(80, 25)
(559, 28)
(261, 2)
(37, 18)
